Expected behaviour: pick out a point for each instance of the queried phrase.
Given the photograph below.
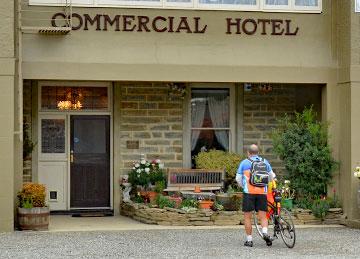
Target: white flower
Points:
(138, 171)
(147, 169)
(287, 181)
(142, 162)
(134, 168)
(137, 165)
(157, 161)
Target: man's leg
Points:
(264, 221)
(248, 207)
(247, 222)
(261, 205)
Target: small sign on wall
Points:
(357, 6)
(132, 144)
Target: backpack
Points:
(259, 176)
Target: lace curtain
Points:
(219, 113)
(197, 119)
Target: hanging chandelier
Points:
(72, 101)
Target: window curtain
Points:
(277, 2)
(218, 108)
(197, 119)
(306, 2)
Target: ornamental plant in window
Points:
(145, 173)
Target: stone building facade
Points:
(313, 61)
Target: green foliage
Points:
(301, 142)
(189, 203)
(334, 202)
(28, 145)
(163, 201)
(138, 199)
(218, 159)
(320, 208)
(32, 195)
(217, 206)
(159, 186)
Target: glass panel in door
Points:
(90, 161)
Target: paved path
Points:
(177, 243)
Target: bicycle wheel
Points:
(287, 228)
(257, 224)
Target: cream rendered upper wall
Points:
(7, 29)
(312, 46)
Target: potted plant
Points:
(33, 214)
(145, 174)
(287, 194)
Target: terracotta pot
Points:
(205, 204)
(152, 196)
(34, 219)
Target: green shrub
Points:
(320, 208)
(138, 199)
(163, 201)
(218, 159)
(159, 186)
(189, 203)
(302, 143)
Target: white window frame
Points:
(278, 8)
(302, 8)
(193, 5)
(119, 3)
(240, 7)
(174, 5)
(187, 118)
(357, 6)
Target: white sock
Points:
(264, 230)
(249, 238)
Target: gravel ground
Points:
(189, 243)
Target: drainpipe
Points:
(19, 131)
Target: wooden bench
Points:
(185, 179)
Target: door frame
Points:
(55, 113)
(69, 165)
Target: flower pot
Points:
(205, 204)
(287, 203)
(149, 196)
(36, 218)
(152, 196)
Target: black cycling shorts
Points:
(253, 202)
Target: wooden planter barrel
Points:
(34, 218)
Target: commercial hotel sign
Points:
(171, 24)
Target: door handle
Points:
(71, 156)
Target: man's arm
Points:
(239, 175)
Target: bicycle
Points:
(281, 220)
